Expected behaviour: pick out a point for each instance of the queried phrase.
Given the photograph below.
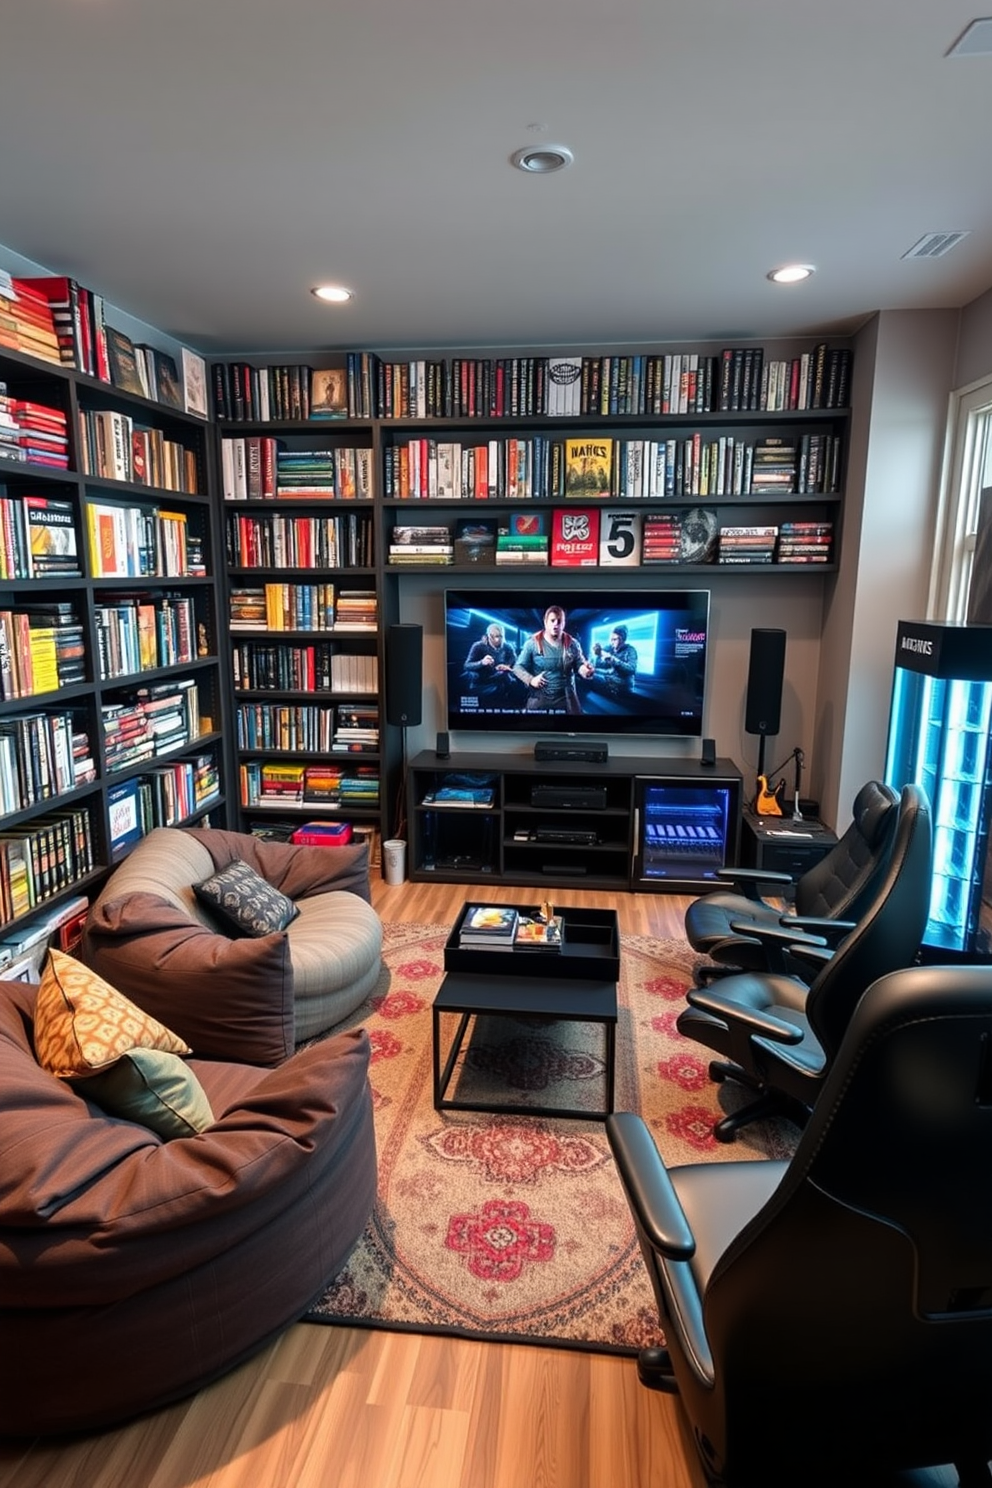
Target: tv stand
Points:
(569, 750)
(593, 839)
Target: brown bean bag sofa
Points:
(134, 1270)
(150, 937)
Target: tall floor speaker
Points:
(404, 674)
(765, 675)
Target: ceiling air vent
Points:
(935, 245)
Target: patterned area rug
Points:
(515, 1227)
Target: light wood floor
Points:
(346, 1408)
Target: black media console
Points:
(643, 823)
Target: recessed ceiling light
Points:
(791, 273)
(541, 160)
(333, 294)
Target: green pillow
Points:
(244, 902)
(154, 1089)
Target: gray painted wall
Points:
(897, 447)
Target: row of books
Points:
(272, 607)
(262, 468)
(42, 755)
(166, 796)
(37, 537)
(281, 784)
(299, 728)
(141, 542)
(56, 319)
(140, 633)
(734, 380)
(44, 858)
(588, 537)
(152, 721)
(280, 667)
(276, 540)
(113, 446)
(293, 606)
(600, 467)
(42, 649)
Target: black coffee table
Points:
(519, 983)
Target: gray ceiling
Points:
(203, 162)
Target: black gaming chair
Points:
(831, 1316)
(829, 898)
(778, 1036)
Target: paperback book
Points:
(535, 933)
(489, 925)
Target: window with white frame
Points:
(968, 475)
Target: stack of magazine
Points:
(538, 932)
(500, 927)
(489, 927)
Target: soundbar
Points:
(585, 752)
(569, 797)
(568, 838)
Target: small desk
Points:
(782, 845)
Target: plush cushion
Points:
(83, 1024)
(153, 1088)
(244, 902)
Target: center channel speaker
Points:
(404, 675)
(765, 675)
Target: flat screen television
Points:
(602, 662)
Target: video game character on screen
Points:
(489, 669)
(614, 665)
(549, 663)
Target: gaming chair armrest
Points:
(653, 1200)
(777, 943)
(775, 935)
(747, 880)
(833, 931)
(739, 1014)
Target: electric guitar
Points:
(769, 798)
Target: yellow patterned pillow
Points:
(82, 1024)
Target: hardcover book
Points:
(195, 384)
(564, 385)
(588, 467)
(488, 925)
(124, 372)
(620, 539)
(329, 393)
(575, 538)
(167, 383)
(475, 541)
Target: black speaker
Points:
(707, 754)
(404, 674)
(443, 750)
(765, 674)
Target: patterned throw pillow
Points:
(156, 1090)
(244, 902)
(82, 1024)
